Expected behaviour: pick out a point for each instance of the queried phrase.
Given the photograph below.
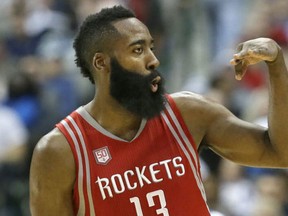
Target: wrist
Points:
(278, 58)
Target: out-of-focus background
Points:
(195, 39)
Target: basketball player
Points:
(133, 149)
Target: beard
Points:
(133, 91)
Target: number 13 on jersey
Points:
(150, 198)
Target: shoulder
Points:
(189, 101)
(53, 156)
(198, 112)
(52, 176)
(186, 100)
(188, 97)
(53, 143)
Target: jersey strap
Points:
(178, 128)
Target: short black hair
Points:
(96, 35)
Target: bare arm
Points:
(264, 49)
(52, 177)
(278, 108)
(232, 138)
(213, 125)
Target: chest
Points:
(127, 175)
(155, 144)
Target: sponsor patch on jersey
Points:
(102, 155)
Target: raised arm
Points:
(265, 49)
(229, 136)
(52, 176)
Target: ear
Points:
(99, 61)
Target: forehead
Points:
(132, 30)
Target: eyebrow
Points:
(141, 41)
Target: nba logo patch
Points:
(102, 155)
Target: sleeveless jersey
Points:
(156, 173)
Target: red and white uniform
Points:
(156, 173)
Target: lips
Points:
(154, 83)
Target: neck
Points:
(113, 117)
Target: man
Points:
(133, 149)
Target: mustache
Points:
(137, 75)
(153, 74)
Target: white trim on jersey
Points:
(88, 177)
(187, 143)
(183, 135)
(83, 112)
(81, 209)
(185, 152)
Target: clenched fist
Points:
(252, 52)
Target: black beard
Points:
(133, 91)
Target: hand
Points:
(253, 51)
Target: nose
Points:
(153, 62)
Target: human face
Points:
(142, 95)
(134, 48)
(134, 81)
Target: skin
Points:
(52, 172)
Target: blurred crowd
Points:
(195, 39)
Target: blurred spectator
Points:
(225, 19)
(14, 136)
(56, 90)
(222, 88)
(265, 206)
(236, 191)
(23, 98)
(272, 187)
(86, 7)
(211, 185)
(41, 17)
(13, 149)
(18, 42)
(186, 36)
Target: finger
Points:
(234, 61)
(240, 69)
(238, 57)
(242, 54)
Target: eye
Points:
(138, 50)
(152, 48)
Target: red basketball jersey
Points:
(156, 173)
